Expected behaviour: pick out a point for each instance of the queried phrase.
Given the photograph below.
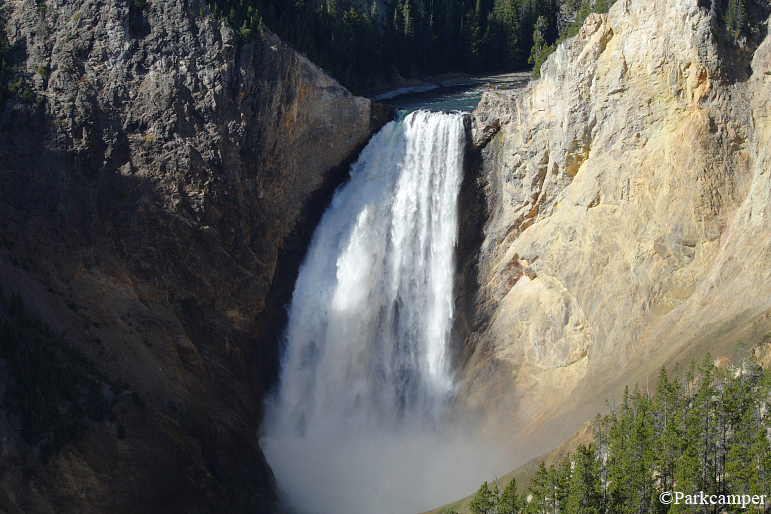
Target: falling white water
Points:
(357, 425)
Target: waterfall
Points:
(365, 376)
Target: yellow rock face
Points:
(632, 180)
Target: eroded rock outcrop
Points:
(155, 195)
(628, 224)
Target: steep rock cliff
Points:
(627, 222)
(157, 188)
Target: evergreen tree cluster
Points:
(364, 47)
(573, 14)
(703, 430)
(742, 18)
(368, 43)
(365, 43)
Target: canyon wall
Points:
(626, 220)
(160, 179)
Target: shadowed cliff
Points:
(159, 185)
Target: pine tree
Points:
(761, 461)
(584, 491)
(561, 485)
(541, 49)
(707, 423)
(409, 22)
(485, 501)
(618, 456)
(506, 17)
(474, 40)
(736, 16)
(540, 492)
(602, 426)
(742, 469)
(510, 502)
(669, 439)
(762, 449)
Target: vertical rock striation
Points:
(627, 223)
(161, 181)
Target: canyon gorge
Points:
(162, 181)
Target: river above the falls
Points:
(458, 94)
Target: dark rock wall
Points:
(158, 184)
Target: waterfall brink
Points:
(365, 377)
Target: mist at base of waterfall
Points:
(403, 472)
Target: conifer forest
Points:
(704, 429)
(367, 44)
